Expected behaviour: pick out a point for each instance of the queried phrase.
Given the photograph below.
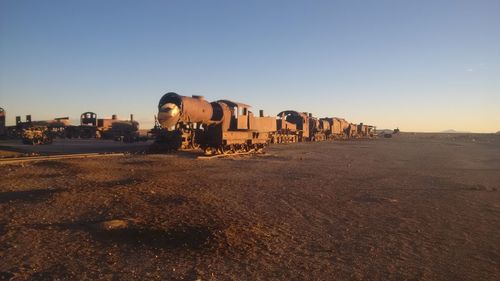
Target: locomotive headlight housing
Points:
(168, 115)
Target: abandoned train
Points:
(44, 131)
(225, 126)
(104, 128)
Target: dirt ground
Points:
(417, 206)
(15, 148)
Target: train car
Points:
(344, 126)
(292, 126)
(218, 127)
(372, 131)
(56, 127)
(362, 130)
(105, 128)
(366, 131)
(325, 129)
(40, 131)
(87, 128)
(122, 130)
(318, 129)
(116, 129)
(339, 128)
(36, 135)
(353, 130)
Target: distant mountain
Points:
(451, 131)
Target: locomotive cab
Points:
(240, 115)
(88, 119)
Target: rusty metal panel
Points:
(243, 137)
(337, 128)
(263, 124)
(325, 125)
(242, 123)
(106, 123)
(353, 129)
(284, 125)
(345, 126)
(235, 104)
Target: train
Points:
(191, 122)
(104, 128)
(224, 126)
(44, 131)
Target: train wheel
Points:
(221, 150)
(241, 148)
(210, 151)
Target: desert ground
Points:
(412, 207)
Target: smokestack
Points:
(28, 118)
(261, 113)
(310, 115)
(18, 120)
(113, 116)
(131, 117)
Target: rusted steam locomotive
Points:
(225, 126)
(104, 128)
(217, 127)
(45, 131)
(40, 131)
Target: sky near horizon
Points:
(418, 65)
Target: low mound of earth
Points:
(416, 206)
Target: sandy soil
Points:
(423, 206)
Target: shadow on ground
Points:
(28, 196)
(177, 237)
(186, 237)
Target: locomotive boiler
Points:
(217, 127)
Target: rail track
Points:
(19, 160)
(228, 155)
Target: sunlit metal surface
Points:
(168, 115)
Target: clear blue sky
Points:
(420, 65)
